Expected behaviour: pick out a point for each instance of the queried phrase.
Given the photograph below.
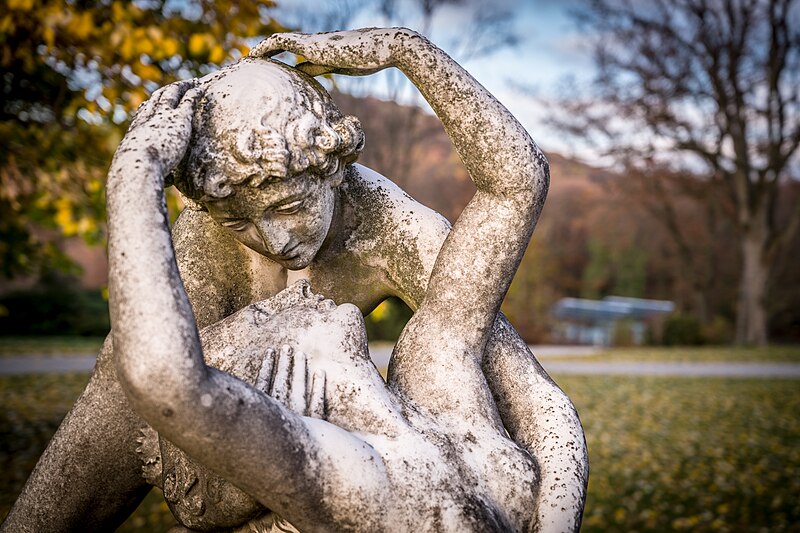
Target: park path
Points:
(45, 364)
(665, 369)
(61, 363)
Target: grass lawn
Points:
(666, 454)
(688, 354)
(49, 345)
(672, 454)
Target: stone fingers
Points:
(264, 378)
(172, 94)
(184, 111)
(358, 52)
(274, 45)
(312, 69)
(297, 391)
(281, 383)
(316, 400)
(285, 377)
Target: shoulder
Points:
(370, 190)
(394, 229)
(201, 244)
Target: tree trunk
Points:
(751, 312)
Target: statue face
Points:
(313, 324)
(286, 221)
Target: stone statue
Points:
(287, 413)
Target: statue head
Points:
(268, 149)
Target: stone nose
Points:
(275, 237)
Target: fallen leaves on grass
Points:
(672, 454)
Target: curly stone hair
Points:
(261, 121)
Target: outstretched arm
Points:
(245, 436)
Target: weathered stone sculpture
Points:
(287, 412)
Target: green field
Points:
(666, 454)
(49, 345)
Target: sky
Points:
(549, 56)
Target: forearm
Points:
(511, 174)
(543, 420)
(155, 338)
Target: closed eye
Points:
(235, 224)
(290, 208)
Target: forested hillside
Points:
(601, 233)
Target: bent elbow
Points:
(537, 183)
(539, 179)
(154, 390)
(531, 183)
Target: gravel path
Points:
(637, 368)
(56, 363)
(45, 364)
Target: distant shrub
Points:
(718, 331)
(387, 320)
(682, 330)
(56, 306)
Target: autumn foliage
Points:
(73, 72)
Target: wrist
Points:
(410, 49)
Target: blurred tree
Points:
(711, 86)
(487, 28)
(72, 74)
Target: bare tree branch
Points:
(717, 80)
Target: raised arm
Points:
(478, 260)
(238, 431)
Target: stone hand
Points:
(285, 377)
(159, 133)
(356, 52)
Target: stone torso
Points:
(442, 477)
(385, 245)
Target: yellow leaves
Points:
(6, 23)
(381, 311)
(125, 12)
(217, 54)
(169, 47)
(127, 50)
(63, 217)
(143, 45)
(49, 35)
(118, 12)
(200, 44)
(204, 47)
(243, 49)
(150, 41)
(20, 5)
(135, 97)
(81, 25)
(94, 186)
(146, 72)
(154, 33)
(111, 93)
(689, 454)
